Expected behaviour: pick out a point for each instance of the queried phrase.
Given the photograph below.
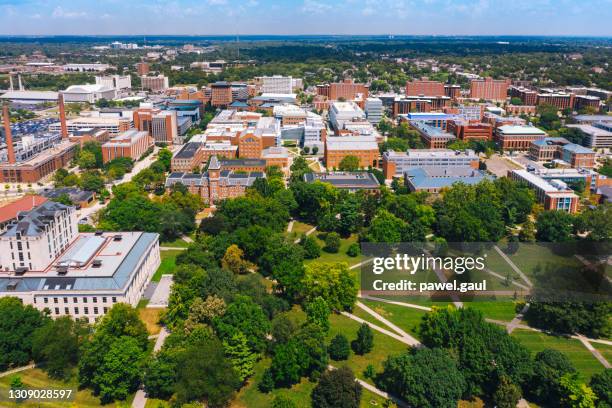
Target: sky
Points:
(286, 17)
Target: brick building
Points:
(131, 144)
(470, 130)
(221, 94)
(510, 137)
(364, 148)
(489, 89)
(425, 87)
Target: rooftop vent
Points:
(96, 263)
(11, 286)
(62, 270)
(99, 232)
(21, 270)
(117, 237)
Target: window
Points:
(96, 310)
(46, 300)
(104, 299)
(95, 299)
(84, 300)
(54, 300)
(114, 299)
(65, 300)
(66, 311)
(105, 309)
(75, 300)
(76, 310)
(57, 310)
(86, 310)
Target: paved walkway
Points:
(503, 278)
(310, 231)
(16, 370)
(140, 399)
(187, 239)
(513, 266)
(517, 319)
(290, 226)
(367, 261)
(166, 248)
(381, 319)
(411, 342)
(394, 302)
(162, 292)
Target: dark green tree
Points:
(364, 342)
(337, 389)
(339, 348)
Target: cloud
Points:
(314, 6)
(59, 12)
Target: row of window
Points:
(76, 300)
(96, 310)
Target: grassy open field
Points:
(580, 357)
(502, 309)
(150, 317)
(168, 263)
(405, 318)
(341, 255)
(605, 350)
(36, 378)
(177, 243)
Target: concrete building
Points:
(510, 137)
(277, 84)
(47, 264)
(553, 194)
(342, 112)
(434, 179)
(114, 125)
(373, 110)
(489, 89)
(117, 82)
(29, 97)
(347, 90)
(364, 148)
(86, 67)
(598, 134)
(90, 93)
(395, 164)
(157, 83)
(9, 212)
(351, 181)
(290, 114)
(132, 144)
(560, 149)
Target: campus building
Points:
(364, 148)
(558, 148)
(597, 134)
(425, 87)
(351, 181)
(552, 194)
(432, 137)
(48, 264)
(489, 89)
(132, 144)
(510, 137)
(395, 164)
(470, 130)
(434, 179)
(157, 83)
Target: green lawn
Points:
(167, 265)
(177, 243)
(298, 229)
(36, 378)
(502, 309)
(339, 256)
(406, 318)
(580, 357)
(604, 349)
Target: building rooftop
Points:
(42, 95)
(351, 143)
(435, 177)
(520, 130)
(87, 88)
(349, 180)
(33, 222)
(76, 195)
(187, 151)
(27, 203)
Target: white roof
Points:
(87, 88)
(521, 130)
(43, 95)
(352, 143)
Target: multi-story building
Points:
(157, 83)
(117, 82)
(373, 110)
(132, 144)
(510, 137)
(452, 91)
(221, 94)
(289, 114)
(277, 156)
(86, 67)
(10, 212)
(432, 137)
(425, 87)
(517, 110)
(347, 90)
(470, 130)
(161, 125)
(82, 136)
(558, 148)
(114, 125)
(346, 180)
(528, 96)
(342, 112)
(188, 158)
(410, 104)
(142, 68)
(223, 149)
(48, 264)
(597, 135)
(250, 144)
(434, 119)
(217, 183)
(395, 164)
(553, 194)
(498, 120)
(489, 89)
(434, 179)
(364, 148)
(560, 100)
(89, 93)
(277, 84)
(587, 101)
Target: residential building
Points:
(452, 91)
(434, 179)
(157, 83)
(88, 93)
(409, 104)
(364, 148)
(221, 94)
(395, 164)
(117, 82)
(351, 181)
(142, 68)
(425, 87)
(553, 195)
(489, 89)
(510, 137)
(277, 84)
(586, 101)
(54, 267)
(86, 67)
(560, 100)
(132, 144)
(527, 96)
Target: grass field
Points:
(150, 317)
(405, 318)
(167, 265)
(341, 255)
(580, 357)
(604, 349)
(177, 243)
(36, 378)
(503, 310)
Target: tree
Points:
(337, 389)
(576, 394)
(427, 378)
(317, 312)
(516, 101)
(17, 326)
(507, 394)
(333, 282)
(527, 232)
(386, 227)
(245, 316)
(92, 181)
(312, 250)
(87, 160)
(55, 346)
(339, 348)
(204, 311)
(160, 376)
(165, 158)
(119, 372)
(364, 342)
(205, 373)
(601, 384)
(549, 366)
(233, 260)
(288, 363)
(597, 222)
(281, 401)
(332, 242)
(349, 163)
(353, 250)
(554, 226)
(242, 358)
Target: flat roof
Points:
(361, 180)
(521, 130)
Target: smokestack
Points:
(62, 114)
(19, 80)
(8, 135)
(12, 87)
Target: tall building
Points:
(560, 100)
(161, 125)
(154, 83)
(489, 89)
(529, 97)
(277, 84)
(425, 87)
(374, 110)
(142, 68)
(118, 82)
(48, 264)
(221, 94)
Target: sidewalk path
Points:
(17, 370)
(386, 322)
(140, 399)
(410, 342)
(310, 231)
(594, 351)
(513, 266)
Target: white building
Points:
(49, 265)
(277, 84)
(342, 112)
(90, 93)
(374, 110)
(428, 158)
(598, 135)
(114, 125)
(119, 82)
(86, 67)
